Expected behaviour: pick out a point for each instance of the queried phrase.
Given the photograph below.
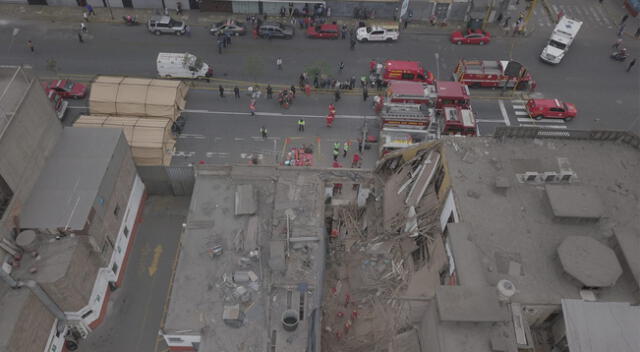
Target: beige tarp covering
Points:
(151, 140)
(113, 95)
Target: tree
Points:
(254, 66)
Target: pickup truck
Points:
(377, 34)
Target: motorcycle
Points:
(620, 55)
(130, 20)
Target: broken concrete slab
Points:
(251, 235)
(246, 200)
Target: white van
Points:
(561, 39)
(177, 65)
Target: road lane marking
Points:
(157, 252)
(368, 117)
(190, 135)
(503, 110)
(548, 126)
(521, 113)
(490, 120)
(518, 106)
(518, 101)
(525, 120)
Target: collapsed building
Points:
(484, 244)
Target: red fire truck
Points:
(411, 92)
(459, 121)
(406, 71)
(491, 73)
(451, 94)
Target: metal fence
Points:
(168, 180)
(625, 137)
(15, 82)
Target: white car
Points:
(376, 34)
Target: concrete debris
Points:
(241, 276)
(246, 200)
(233, 316)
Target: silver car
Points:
(166, 24)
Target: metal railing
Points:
(625, 137)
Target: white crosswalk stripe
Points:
(561, 127)
(521, 113)
(530, 120)
(593, 14)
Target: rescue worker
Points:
(301, 124)
(330, 120)
(345, 149)
(332, 109)
(336, 146)
(263, 132)
(355, 162)
(336, 152)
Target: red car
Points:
(477, 36)
(551, 108)
(66, 88)
(324, 31)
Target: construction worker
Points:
(336, 153)
(301, 124)
(263, 132)
(345, 149)
(336, 146)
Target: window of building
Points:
(175, 339)
(5, 195)
(88, 313)
(116, 210)
(126, 231)
(114, 268)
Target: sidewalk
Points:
(65, 14)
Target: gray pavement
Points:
(135, 309)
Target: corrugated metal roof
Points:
(69, 183)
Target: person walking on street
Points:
(252, 107)
(617, 44)
(621, 30)
(236, 92)
(343, 31)
(365, 94)
(90, 10)
(355, 162)
(336, 153)
(352, 43)
(631, 64)
(293, 90)
(301, 124)
(279, 63)
(219, 46)
(178, 8)
(637, 35)
(336, 95)
(30, 46)
(624, 18)
(336, 146)
(83, 27)
(340, 67)
(269, 91)
(221, 90)
(85, 16)
(80, 37)
(263, 132)
(345, 149)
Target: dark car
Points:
(330, 31)
(228, 26)
(276, 30)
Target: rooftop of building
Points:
(601, 326)
(69, 183)
(239, 297)
(518, 225)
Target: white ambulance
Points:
(182, 65)
(561, 38)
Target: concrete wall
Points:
(31, 332)
(24, 147)
(114, 192)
